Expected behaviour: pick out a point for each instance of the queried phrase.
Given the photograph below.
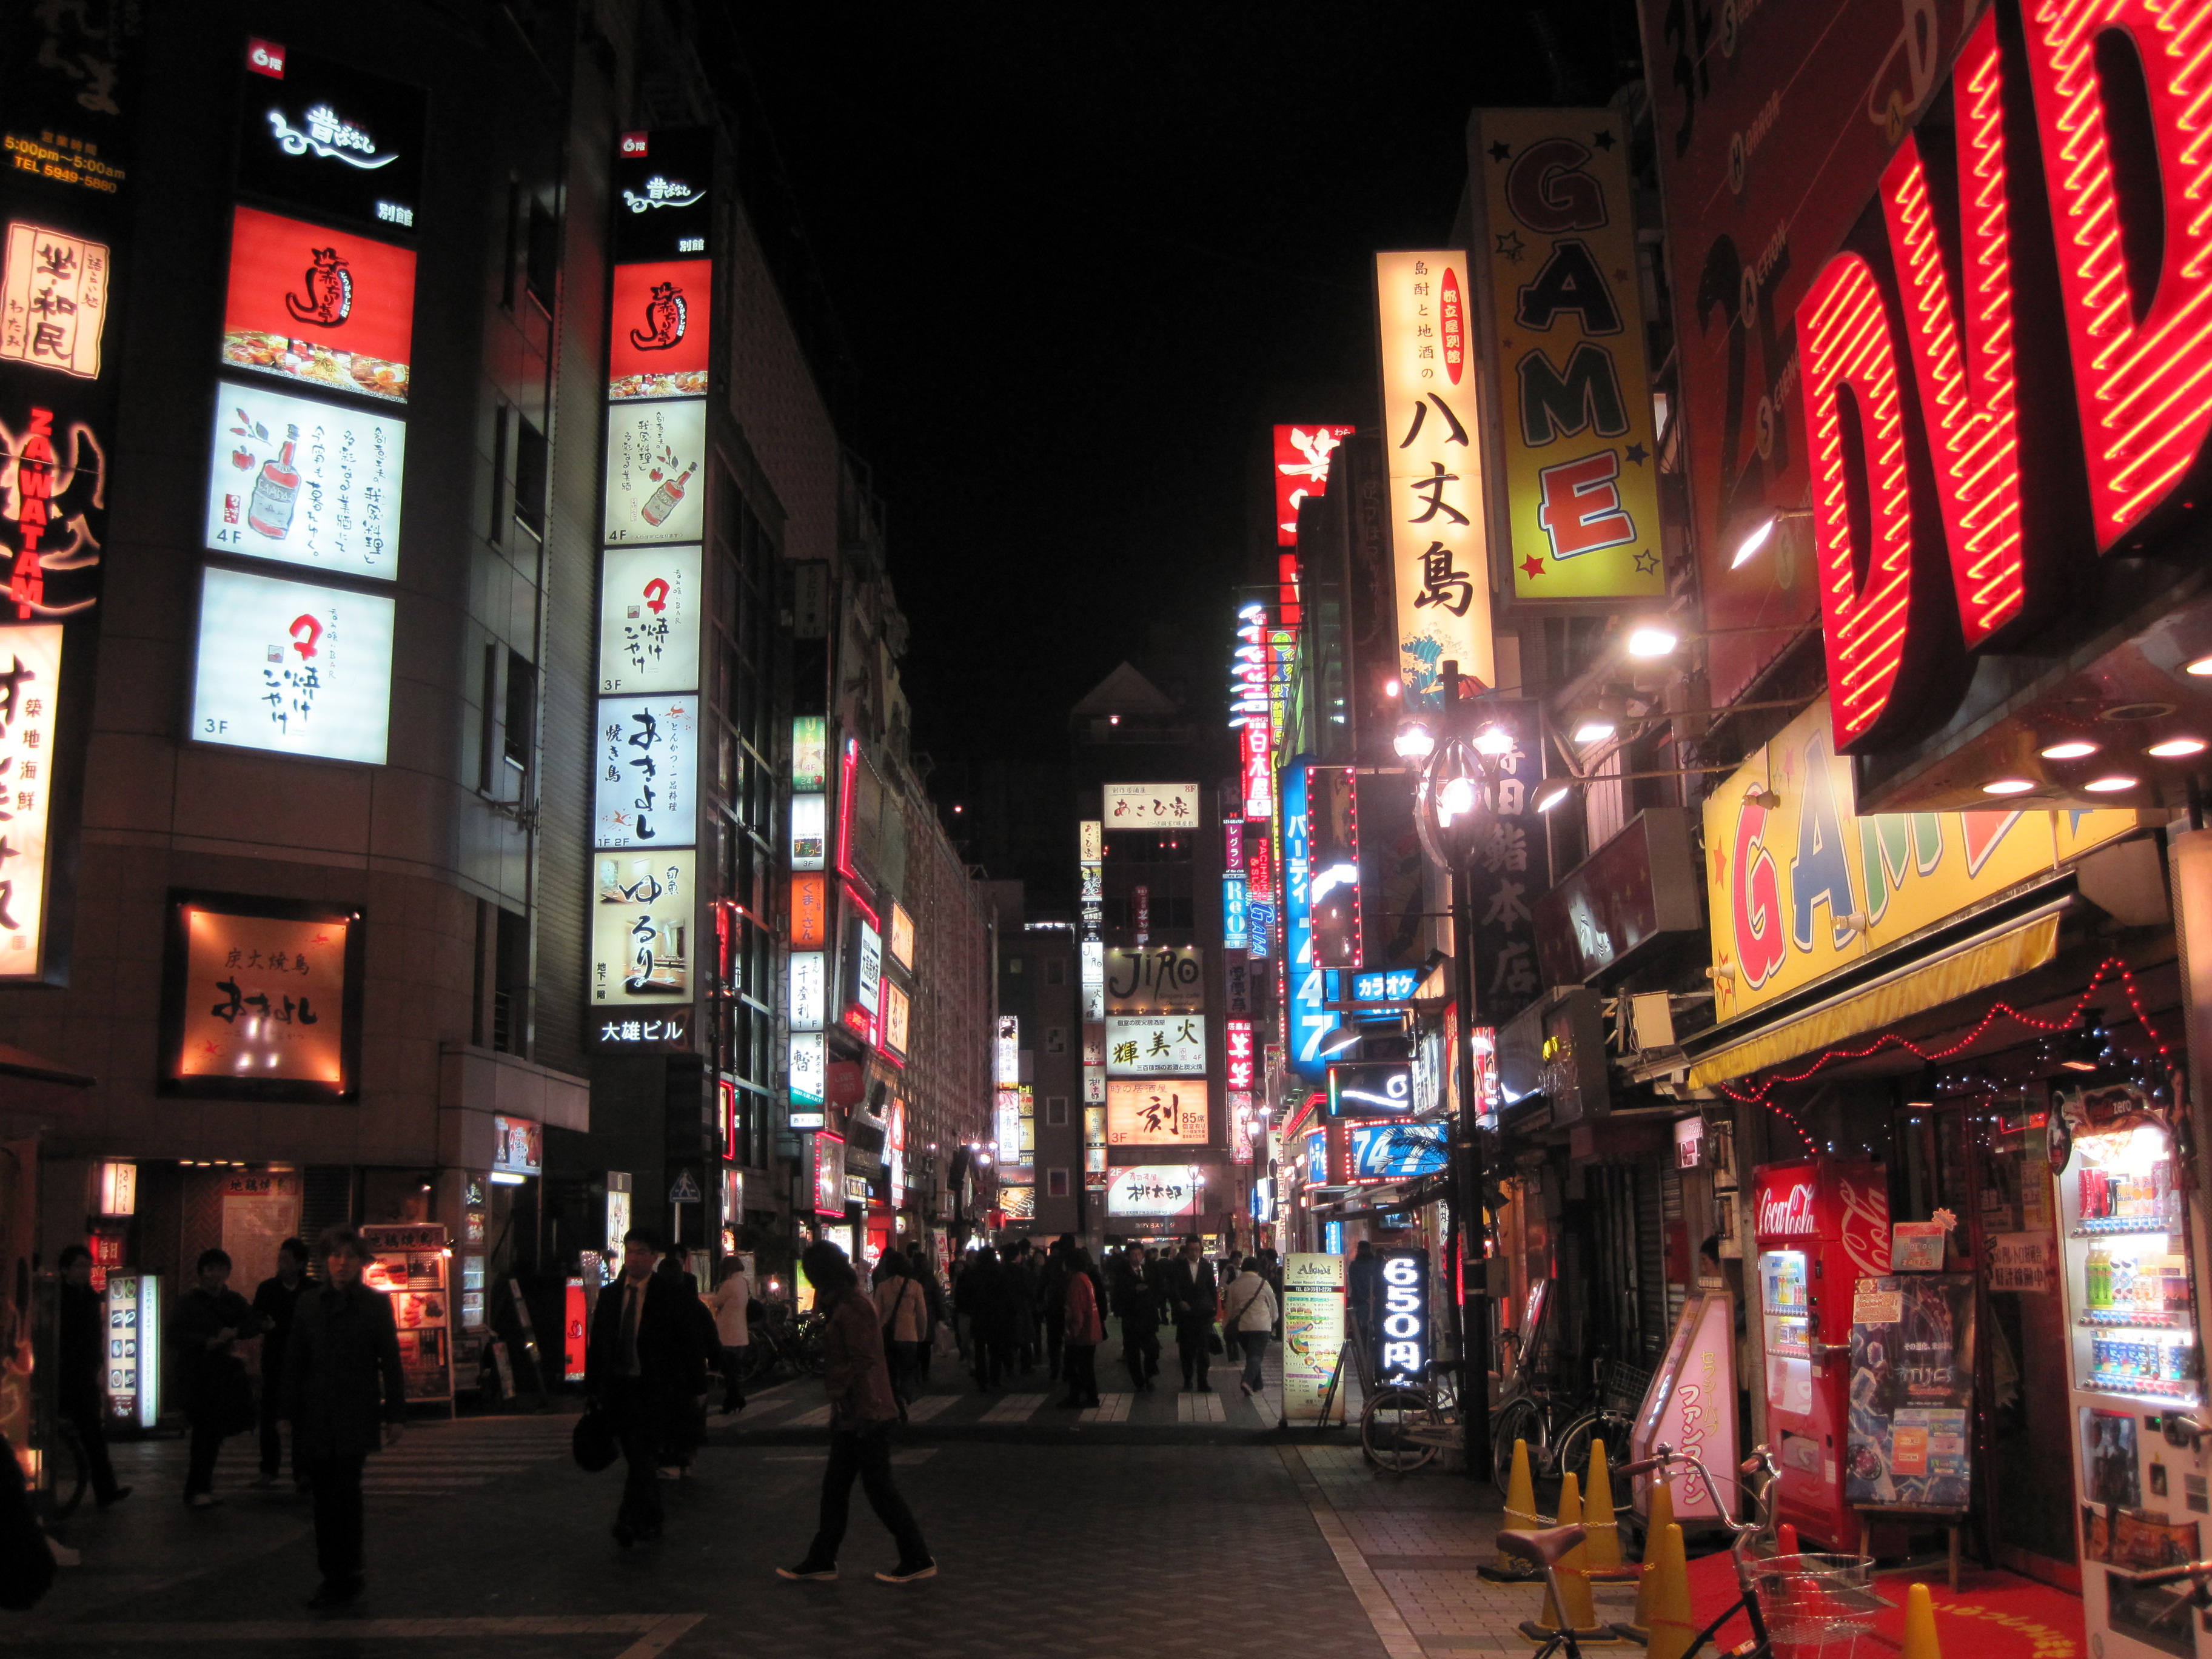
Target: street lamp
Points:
(1454, 809)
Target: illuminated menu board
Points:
(304, 480)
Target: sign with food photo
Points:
(326, 308)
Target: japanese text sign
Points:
(1153, 1190)
(810, 911)
(659, 342)
(1162, 1113)
(645, 753)
(264, 999)
(53, 300)
(293, 669)
(326, 307)
(304, 480)
(331, 138)
(33, 652)
(654, 492)
(1401, 1323)
(1302, 454)
(1152, 805)
(1156, 1045)
(1572, 392)
(649, 619)
(1440, 546)
(641, 919)
(1165, 979)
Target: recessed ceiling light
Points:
(2072, 748)
(2202, 666)
(2008, 786)
(2173, 748)
(2111, 786)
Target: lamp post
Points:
(1451, 811)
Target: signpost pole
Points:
(1470, 1316)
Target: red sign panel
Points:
(1241, 1053)
(1302, 457)
(658, 340)
(323, 307)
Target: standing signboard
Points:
(1912, 1392)
(410, 1265)
(1313, 1335)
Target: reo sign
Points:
(1401, 1321)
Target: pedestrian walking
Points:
(274, 1303)
(1136, 1300)
(733, 1301)
(987, 1297)
(1024, 1271)
(923, 1272)
(856, 1375)
(1085, 1326)
(218, 1398)
(903, 1310)
(1193, 1295)
(1052, 1301)
(644, 1364)
(79, 1360)
(1248, 1315)
(684, 1430)
(345, 1396)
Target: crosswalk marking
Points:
(815, 1419)
(928, 1407)
(1016, 1408)
(1200, 1408)
(1110, 1409)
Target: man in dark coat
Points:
(346, 1396)
(81, 1356)
(646, 1365)
(1052, 1299)
(1194, 1294)
(210, 1318)
(274, 1301)
(1139, 1305)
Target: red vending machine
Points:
(1822, 1226)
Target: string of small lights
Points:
(1758, 1097)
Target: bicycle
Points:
(1404, 1428)
(1607, 1414)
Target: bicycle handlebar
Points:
(1760, 1462)
(2200, 1571)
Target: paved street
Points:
(1154, 1526)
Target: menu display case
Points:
(412, 1265)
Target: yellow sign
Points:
(1800, 886)
(1565, 333)
(1167, 1112)
(264, 999)
(1439, 540)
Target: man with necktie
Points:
(644, 1365)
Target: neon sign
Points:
(1402, 1332)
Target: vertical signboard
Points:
(1302, 455)
(1400, 1336)
(1313, 1334)
(1563, 322)
(646, 818)
(1333, 847)
(1440, 548)
(1511, 868)
(1310, 1019)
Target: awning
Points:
(1973, 965)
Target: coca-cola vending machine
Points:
(1822, 1226)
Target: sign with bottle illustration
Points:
(659, 332)
(331, 138)
(293, 668)
(654, 492)
(304, 480)
(641, 920)
(1912, 1391)
(329, 308)
(649, 619)
(645, 760)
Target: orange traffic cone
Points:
(1674, 1626)
(1638, 1629)
(1520, 1516)
(1571, 1573)
(1597, 1511)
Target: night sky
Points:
(1077, 261)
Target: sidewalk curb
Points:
(1390, 1626)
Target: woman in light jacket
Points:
(729, 1304)
(902, 1309)
(1248, 1311)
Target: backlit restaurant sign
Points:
(647, 759)
(1156, 1045)
(641, 930)
(900, 941)
(332, 139)
(1572, 390)
(1165, 979)
(1440, 549)
(829, 1174)
(1152, 805)
(1402, 1330)
(323, 307)
(292, 668)
(255, 1000)
(1154, 1190)
(1801, 887)
(1248, 712)
(649, 619)
(808, 1076)
(304, 480)
(897, 1018)
(653, 490)
(809, 990)
(29, 687)
(809, 913)
(1303, 457)
(1168, 1113)
(53, 300)
(658, 348)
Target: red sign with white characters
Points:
(1303, 457)
(1240, 1051)
(326, 307)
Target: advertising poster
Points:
(264, 998)
(657, 345)
(654, 492)
(640, 928)
(1912, 1391)
(1164, 979)
(1153, 1190)
(28, 688)
(293, 669)
(1313, 1334)
(304, 480)
(649, 619)
(809, 831)
(1573, 391)
(1152, 805)
(896, 1020)
(646, 756)
(1396, 1151)
(1163, 1114)
(329, 308)
(1691, 1404)
(329, 137)
(1155, 1045)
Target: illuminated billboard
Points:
(649, 600)
(645, 760)
(323, 307)
(902, 938)
(1156, 1045)
(292, 668)
(1154, 1190)
(260, 998)
(641, 922)
(809, 1001)
(1396, 1151)
(28, 700)
(326, 136)
(1152, 805)
(1168, 1113)
(654, 492)
(896, 1018)
(657, 346)
(304, 480)
(1303, 455)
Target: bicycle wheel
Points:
(1383, 1430)
(1591, 1428)
(68, 1472)
(1516, 1420)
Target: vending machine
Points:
(2135, 1374)
(1821, 1226)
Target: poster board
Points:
(1912, 1392)
(1690, 1406)
(1313, 1337)
(411, 1266)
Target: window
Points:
(513, 243)
(530, 478)
(522, 735)
(502, 420)
(1056, 971)
(1055, 1111)
(1055, 1183)
(488, 716)
(1014, 964)
(543, 254)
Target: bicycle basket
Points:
(1816, 1607)
(1624, 1387)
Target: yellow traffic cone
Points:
(1597, 1511)
(1520, 1516)
(1662, 1517)
(1546, 1624)
(1674, 1626)
(1920, 1641)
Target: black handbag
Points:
(592, 1441)
(1212, 1341)
(236, 1410)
